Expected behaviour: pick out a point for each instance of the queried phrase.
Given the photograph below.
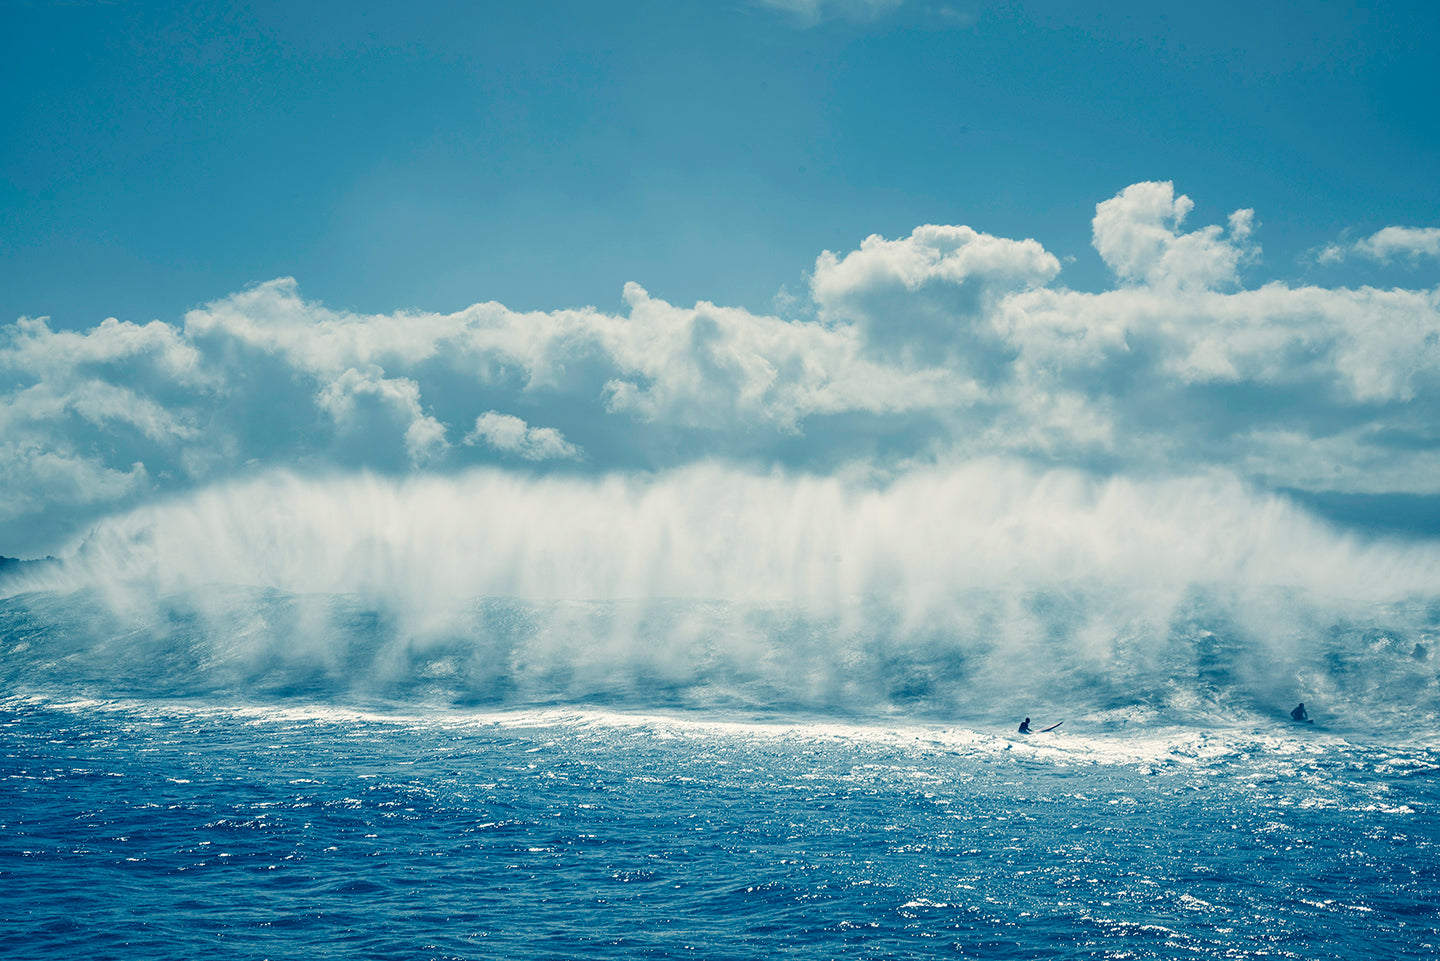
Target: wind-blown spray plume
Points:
(948, 589)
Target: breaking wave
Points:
(969, 591)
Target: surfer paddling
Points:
(1300, 715)
(1025, 726)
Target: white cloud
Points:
(510, 434)
(100, 376)
(1389, 244)
(1137, 235)
(272, 318)
(76, 406)
(1393, 242)
(38, 351)
(35, 478)
(424, 436)
(98, 403)
(716, 367)
(810, 12)
(930, 293)
(425, 440)
(1362, 346)
(702, 366)
(931, 254)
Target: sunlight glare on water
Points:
(265, 832)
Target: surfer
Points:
(1025, 726)
(1299, 713)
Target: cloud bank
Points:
(943, 346)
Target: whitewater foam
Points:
(968, 592)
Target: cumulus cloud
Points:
(510, 434)
(930, 292)
(946, 343)
(54, 375)
(100, 404)
(36, 477)
(34, 349)
(75, 406)
(424, 435)
(1388, 245)
(274, 319)
(702, 366)
(721, 368)
(1137, 234)
(1336, 346)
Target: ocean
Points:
(234, 726)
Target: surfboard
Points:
(1051, 727)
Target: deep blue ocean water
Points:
(172, 829)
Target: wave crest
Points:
(970, 589)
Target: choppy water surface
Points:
(161, 830)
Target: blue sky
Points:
(430, 154)
(290, 209)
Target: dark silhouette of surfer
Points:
(1300, 715)
(1025, 726)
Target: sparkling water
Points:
(180, 817)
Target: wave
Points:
(978, 590)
